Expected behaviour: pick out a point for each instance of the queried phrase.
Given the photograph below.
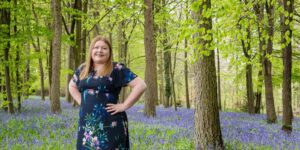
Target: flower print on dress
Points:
(118, 66)
(90, 141)
(91, 91)
(75, 79)
(113, 124)
(125, 127)
(100, 111)
(109, 96)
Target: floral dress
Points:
(97, 128)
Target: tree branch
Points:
(109, 10)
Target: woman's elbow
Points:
(144, 85)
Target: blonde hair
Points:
(88, 65)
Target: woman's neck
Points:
(98, 66)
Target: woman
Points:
(95, 86)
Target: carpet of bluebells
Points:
(36, 128)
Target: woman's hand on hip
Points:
(115, 108)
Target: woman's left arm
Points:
(138, 87)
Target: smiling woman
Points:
(96, 85)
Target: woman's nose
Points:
(99, 49)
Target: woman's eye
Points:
(96, 47)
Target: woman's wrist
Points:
(125, 105)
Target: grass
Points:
(36, 128)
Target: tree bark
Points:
(186, 76)
(27, 72)
(207, 122)
(38, 50)
(84, 34)
(270, 106)
(219, 81)
(73, 53)
(286, 36)
(5, 23)
(122, 51)
(259, 12)
(55, 86)
(18, 83)
(151, 95)
(167, 65)
(249, 82)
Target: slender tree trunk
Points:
(161, 76)
(55, 87)
(73, 53)
(122, 51)
(207, 123)
(286, 36)
(246, 47)
(150, 51)
(186, 75)
(27, 72)
(167, 68)
(259, 12)
(18, 84)
(270, 106)
(38, 50)
(84, 34)
(173, 74)
(5, 23)
(77, 53)
(50, 55)
(249, 84)
(166, 59)
(70, 60)
(219, 80)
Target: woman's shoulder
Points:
(81, 66)
(118, 65)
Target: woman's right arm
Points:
(73, 89)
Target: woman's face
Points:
(100, 52)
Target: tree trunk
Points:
(73, 53)
(18, 83)
(38, 50)
(27, 72)
(150, 51)
(162, 80)
(219, 81)
(186, 76)
(207, 123)
(84, 34)
(77, 53)
(259, 12)
(122, 51)
(55, 87)
(286, 36)
(249, 84)
(270, 106)
(167, 67)
(5, 28)
(78, 34)
(50, 55)
(173, 74)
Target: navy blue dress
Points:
(97, 128)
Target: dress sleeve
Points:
(76, 76)
(125, 75)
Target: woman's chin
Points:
(97, 61)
